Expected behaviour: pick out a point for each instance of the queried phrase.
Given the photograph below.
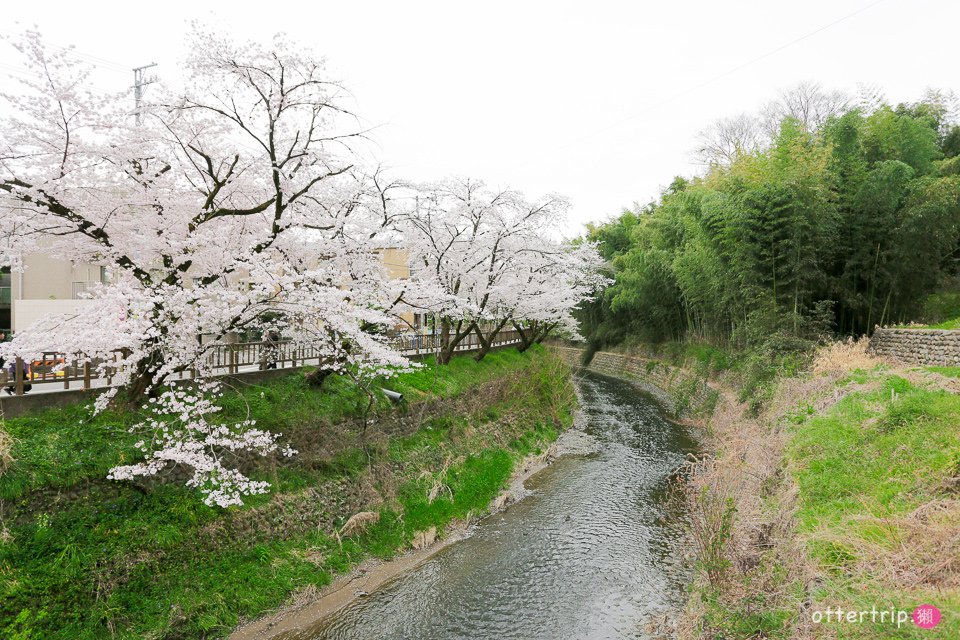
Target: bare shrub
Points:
(710, 513)
(745, 550)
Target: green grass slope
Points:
(82, 557)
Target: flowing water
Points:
(594, 552)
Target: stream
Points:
(594, 552)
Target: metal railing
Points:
(223, 359)
(422, 344)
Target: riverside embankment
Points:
(83, 557)
(682, 393)
(596, 550)
(837, 487)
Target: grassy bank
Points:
(952, 323)
(843, 493)
(877, 502)
(752, 373)
(83, 557)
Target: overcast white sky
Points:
(600, 101)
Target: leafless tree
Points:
(808, 103)
(729, 138)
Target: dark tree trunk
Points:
(527, 335)
(145, 381)
(487, 340)
(444, 340)
(545, 332)
(316, 377)
(450, 337)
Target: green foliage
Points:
(942, 308)
(114, 561)
(862, 469)
(950, 372)
(830, 231)
(751, 617)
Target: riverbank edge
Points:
(740, 467)
(372, 574)
(687, 396)
(683, 394)
(759, 573)
(468, 441)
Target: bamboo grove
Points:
(830, 226)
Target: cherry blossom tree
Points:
(490, 253)
(555, 280)
(237, 206)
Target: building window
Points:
(5, 284)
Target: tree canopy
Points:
(836, 223)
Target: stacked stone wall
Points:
(918, 346)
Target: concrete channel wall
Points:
(682, 393)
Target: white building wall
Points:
(48, 286)
(26, 312)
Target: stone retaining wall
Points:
(680, 392)
(918, 346)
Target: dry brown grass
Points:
(735, 532)
(843, 356)
(6, 449)
(921, 549)
(741, 501)
(358, 523)
(743, 498)
(423, 539)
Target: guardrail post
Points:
(18, 376)
(233, 359)
(86, 375)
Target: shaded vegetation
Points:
(830, 229)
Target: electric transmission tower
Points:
(140, 81)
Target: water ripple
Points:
(591, 554)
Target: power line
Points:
(23, 74)
(9, 68)
(140, 82)
(708, 82)
(103, 63)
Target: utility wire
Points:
(705, 83)
(103, 63)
